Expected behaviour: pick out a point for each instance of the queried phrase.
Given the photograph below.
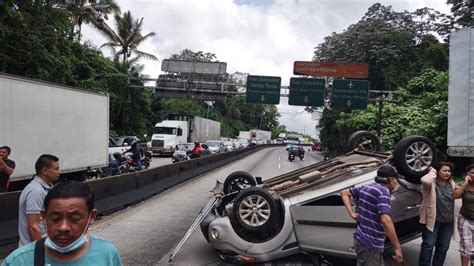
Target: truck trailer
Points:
(39, 117)
(461, 94)
(180, 129)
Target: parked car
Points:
(182, 152)
(244, 143)
(237, 144)
(229, 145)
(302, 211)
(215, 146)
(126, 141)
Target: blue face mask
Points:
(71, 247)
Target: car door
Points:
(323, 225)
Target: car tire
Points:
(238, 181)
(413, 156)
(364, 140)
(254, 210)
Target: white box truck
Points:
(180, 129)
(39, 117)
(261, 135)
(461, 94)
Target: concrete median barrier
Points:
(115, 193)
(9, 217)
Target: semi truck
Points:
(180, 129)
(39, 117)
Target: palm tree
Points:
(127, 37)
(88, 11)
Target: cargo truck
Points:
(40, 117)
(180, 129)
(260, 135)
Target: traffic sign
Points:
(263, 89)
(331, 69)
(351, 94)
(306, 92)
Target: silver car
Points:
(302, 211)
(215, 146)
(182, 153)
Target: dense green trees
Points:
(403, 54)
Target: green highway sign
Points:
(306, 92)
(263, 89)
(350, 94)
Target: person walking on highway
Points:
(7, 167)
(465, 191)
(136, 156)
(68, 212)
(437, 214)
(30, 227)
(373, 217)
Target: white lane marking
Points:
(279, 166)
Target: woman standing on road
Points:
(466, 216)
(437, 214)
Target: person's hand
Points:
(467, 178)
(398, 257)
(2, 162)
(355, 216)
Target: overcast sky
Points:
(261, 37)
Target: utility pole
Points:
(380, 99)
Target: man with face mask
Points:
(373, 217)
(68, 212)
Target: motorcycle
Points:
(291, 156)
(325, 153)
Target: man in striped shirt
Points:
(373, 217)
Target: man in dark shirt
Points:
(6, 168)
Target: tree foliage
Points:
(403, 52)
(128, 36)
(463, 12)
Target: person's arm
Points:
(34, 205)
(7, 169)
(459, 189)
(33, 221)
(346, 196)
(389, 229)
(428, 179)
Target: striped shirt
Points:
(373, 200)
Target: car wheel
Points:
(238, 181)
(363, 140)
(254, 209)
(413, 156)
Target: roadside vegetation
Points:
(406, 52)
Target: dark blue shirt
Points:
(373, 201)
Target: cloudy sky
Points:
(260, 37)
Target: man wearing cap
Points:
(373, 217)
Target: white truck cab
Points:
(167, 134)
